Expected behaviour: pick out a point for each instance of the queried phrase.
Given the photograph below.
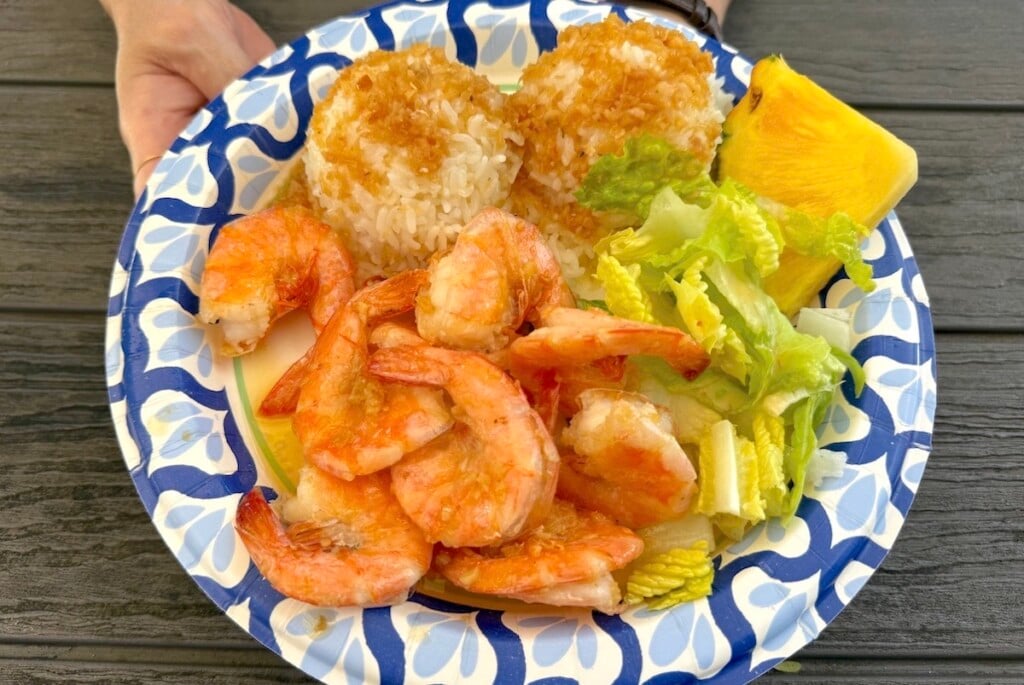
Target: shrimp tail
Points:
(283, 398)
(256, 522)
(408, 364)
(396, 295)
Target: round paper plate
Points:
(185, 427)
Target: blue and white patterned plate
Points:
(192, 450)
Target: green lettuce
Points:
(623, 295)
(629, 182)
(696, 259)
(838, 236)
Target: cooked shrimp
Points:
(555, 393)
(265, 265)
(348, 421)
(499, 274)
(625, 461)
(601, 593)
(574, 337)
(283, 398)
(349, 543)
(395, 334)
(492, 475)
(570, 546)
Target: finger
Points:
(213, 68)
(142, 175)
(153, 110)
(255, 42)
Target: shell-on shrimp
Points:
(493, 474)
(555, 393)
(499, 274)
(574, 337)
(348, 421)
(395, 334)
(267, 264)
(283, 398)
(602, 593)
(555, 562)
(625, 461)
(349, 542)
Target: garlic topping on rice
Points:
(405, 149)
(603, 84)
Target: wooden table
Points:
(89, 593)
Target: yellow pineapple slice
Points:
(792, 141)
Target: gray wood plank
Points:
(899, 672)
(31, 672)
(73, 522)
(65, 194)
(920, 51)
(965, 218)
(113, 664)
(143, 653)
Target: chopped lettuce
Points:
(670, 223)
(672, 577)
(628, 183)
(623, 294)
(696, 258)
(738, 229)
(838, 236)
(674, 534)
(713, 389)
(824, 464)
(770, 445)
(803, 443)
(728, 479)
(742, 481)
(803, 366)
(831, 324)
(854, 367)
(704, 321)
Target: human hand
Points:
(173, 57)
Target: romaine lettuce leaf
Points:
(703, 320)
(629, 182)
(803, 442)
(670, 225)
(770, 444)
(622, 293)
(838, 236)
(673, 577)
(728, 478)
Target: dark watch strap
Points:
(697, 13)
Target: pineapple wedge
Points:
(792, 141)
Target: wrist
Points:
(704, 16)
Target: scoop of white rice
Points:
(405, 149)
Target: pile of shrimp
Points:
(465, 418)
